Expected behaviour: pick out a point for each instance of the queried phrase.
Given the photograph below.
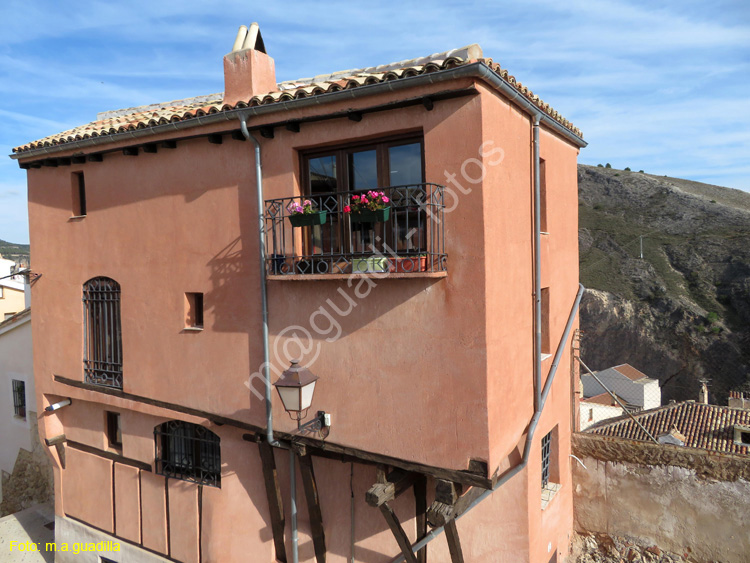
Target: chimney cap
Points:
(249, 38)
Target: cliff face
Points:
(682, 312)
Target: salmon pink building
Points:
(406, 234)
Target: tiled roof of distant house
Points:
(630, 372)
(709, 427)
(121, 121)
(602, 399)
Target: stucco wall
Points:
(666, 505)
(15, 363)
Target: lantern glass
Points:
(306, 395)
(290, 397)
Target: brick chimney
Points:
(248, 70)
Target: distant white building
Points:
(17, 399)
(634, 388)
(597, 408)
(13, 297)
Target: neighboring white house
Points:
(17, 398)
(598, 408)
(13, 297)
(634, 388)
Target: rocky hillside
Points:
(682, 312)
(17, 252)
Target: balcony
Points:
(410, 242)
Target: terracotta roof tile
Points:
(709, 427)
(630, 372)
(120, 121)
(602, 399)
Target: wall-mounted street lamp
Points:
(296, 387)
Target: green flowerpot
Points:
(369, 265)
(308, 219)
(369, 216)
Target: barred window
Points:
(546, 447)
(102, 332)
(189, 452)
(19, 398)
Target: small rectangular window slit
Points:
(78, 188)
(114, 430)
(193, 310)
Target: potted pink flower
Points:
(304, 214)
(370, 207)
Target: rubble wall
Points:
(683, 501)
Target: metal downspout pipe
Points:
(529, 436)
(537, 269)
(263, 290)
(266, 354)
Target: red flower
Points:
(347, 209)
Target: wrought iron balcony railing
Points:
(408, 240)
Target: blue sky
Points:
(658, 86)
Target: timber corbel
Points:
(396, 483)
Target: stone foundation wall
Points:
(686, 502)
(602, 548)
(32, 480)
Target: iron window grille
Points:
(189, 452)
(102, 332)
(19, 398)
(546, 448)
(411, 240)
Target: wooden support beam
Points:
(130, 151)
(51, 162)
(273, 493)
(215, 139)
(420, 501)
(150, 148)
(396, 483)
(266, 132)
(237, 135)
(440, 513)
(428, 103)
(355, 116)
(24, 165)
(293, 126)
(398, 533)
(95, 157)
(313, 507)
(447, 491)
(454, 543)
(169, 144)
(59, 439)
(64, 161)
(80, 159)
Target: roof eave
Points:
(476, 70)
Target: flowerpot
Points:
(308, 219)
(405, 265)
(369, 265)
(369, 216)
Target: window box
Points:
(369, 265)
(408, 264)
(308, 219)
(369, 216)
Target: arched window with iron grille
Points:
(189, 452)
(102, 360)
